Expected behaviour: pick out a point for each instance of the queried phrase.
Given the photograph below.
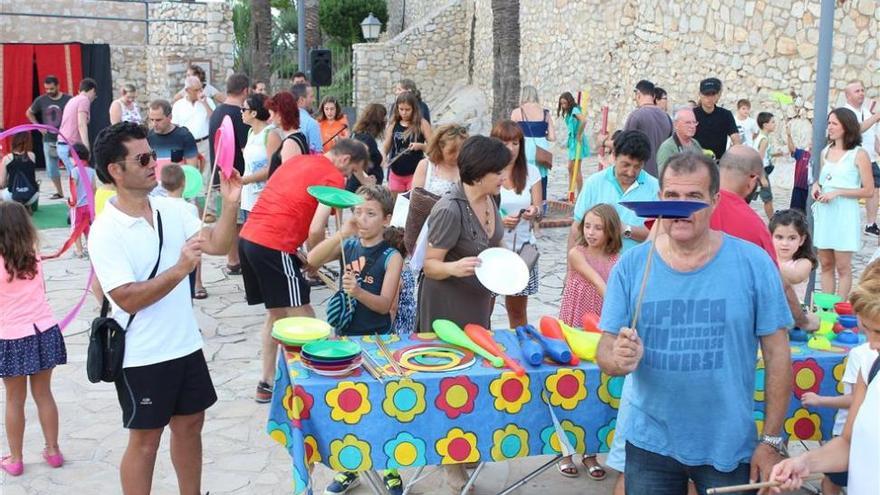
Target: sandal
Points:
(201, 294)
(595, 471)
(233, 269)
(53, 460)
(13, 468)
(56, 196)
(567, 468)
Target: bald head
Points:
(741, 169)
(855, 94)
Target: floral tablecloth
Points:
(357, 423)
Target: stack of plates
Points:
(331, 357)
(297, 331)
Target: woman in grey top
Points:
(463, 224)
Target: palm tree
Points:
(261, 39)
(505, 51)
(313, 28)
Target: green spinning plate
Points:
(334, 197)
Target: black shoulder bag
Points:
(107, 337)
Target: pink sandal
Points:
(13, 468)
(53, 460)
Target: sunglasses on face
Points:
(144, 159)
(245, 109)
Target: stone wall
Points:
(150, 42)
(433, 53)
(757, 47)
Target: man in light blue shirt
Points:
(307, 124)
(710, 300)
(625, 181)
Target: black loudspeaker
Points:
(321, 68)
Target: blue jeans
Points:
(647, 472)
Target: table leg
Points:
(416, 478)
(530, 476)
(473, 478)
(376, 485)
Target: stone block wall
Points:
(433, 53)
(150, 42)
(757, 47)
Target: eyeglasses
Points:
(144, 159)
(245, 109)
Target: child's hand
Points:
(809, 399)
(350, 283)
(790, 473)
(530, 212)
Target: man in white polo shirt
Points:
(193, 112)
(855, 101)
(165, 379)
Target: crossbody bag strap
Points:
(875, 368)
(152, 273)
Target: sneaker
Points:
(393, 483)
(872, 229)
(264, 393)
(342, 483)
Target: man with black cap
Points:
(649, 119)
(714, 124)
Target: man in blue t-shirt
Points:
(625, 181)
(710, 300)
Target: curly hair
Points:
(284, 105)
(110, 146)
(372, 120)
(18, 242)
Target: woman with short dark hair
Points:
(262, 142)
(844, 177)
(462, 224)
(18, 180)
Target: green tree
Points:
(341, 19)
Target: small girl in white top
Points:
(794, 249)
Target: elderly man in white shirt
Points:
(193, 111)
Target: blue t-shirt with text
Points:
(691, 397)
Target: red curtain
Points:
(61, 61)
(18, 83)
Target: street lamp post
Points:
(370, 27)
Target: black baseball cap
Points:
(710, 86)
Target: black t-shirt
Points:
(48, 112)
(241, 132)
(175, 147)
(374, 168)
(714, 128)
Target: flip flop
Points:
(597, 472)
(201, 294)
(233, 269)
(56, 196)
(567, 468)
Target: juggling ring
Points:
(467, 357)
(454, 360)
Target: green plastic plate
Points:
(332, 349)
(334, 197)
(300, 329)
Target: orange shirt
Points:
(281, 217)
(331, 130)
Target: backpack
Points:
(22, 189)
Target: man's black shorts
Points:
(150, 395)
(271, 277)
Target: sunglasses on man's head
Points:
(144, 159)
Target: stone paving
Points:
(239, 457)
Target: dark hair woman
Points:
(333, 123)
(845, 177)
(18, 180)
(520, 205)
(367, 130)
(462, 224)
(262, 143)
(405, 142)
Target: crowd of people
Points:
(694, 348)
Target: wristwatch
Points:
(627, 232)
(777, 443)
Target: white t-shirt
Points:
(864, 450)
(255, 159)
(512, 203)
(192, 115)
(123, 250)
(747, 128)
(869, 135)
(859, 358)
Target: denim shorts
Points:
(647, 472)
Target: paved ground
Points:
(239, 457)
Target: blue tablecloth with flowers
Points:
(356, 423)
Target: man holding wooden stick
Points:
(708, 301)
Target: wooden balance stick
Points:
(755, 486)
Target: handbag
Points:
(107, 337)
(421, 202)
(543, 157)
(528, 252)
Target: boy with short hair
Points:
(745, 124)
(801, 186)
(371, 278)
(767, 125)
(173, 182)
(80, 202)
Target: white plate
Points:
(502, 271)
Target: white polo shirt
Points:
(123, 250)
(193, 116)
(869, 135)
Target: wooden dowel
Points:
(754, 486)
